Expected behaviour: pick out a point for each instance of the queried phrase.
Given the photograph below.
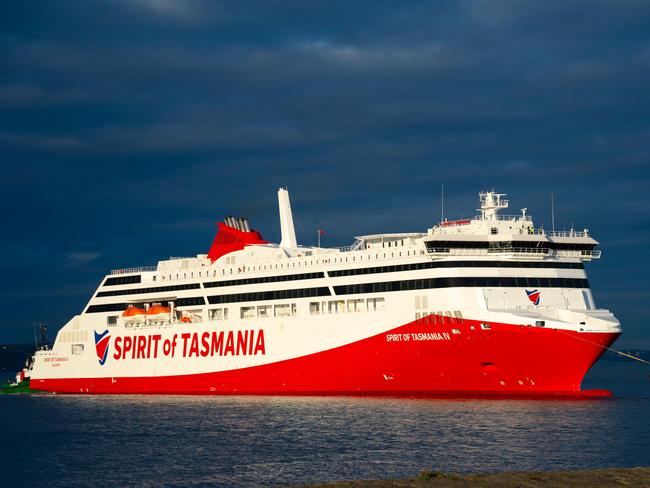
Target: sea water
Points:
(64, 440)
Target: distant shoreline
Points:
(608, 477)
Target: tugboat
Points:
(21, 383)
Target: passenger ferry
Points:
(490, 305)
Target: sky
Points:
(128, 128)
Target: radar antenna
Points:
(491, 203)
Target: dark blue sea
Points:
(157, 441)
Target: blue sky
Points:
(128, 128)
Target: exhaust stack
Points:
(286, 221)
(247, 227)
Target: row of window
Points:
(496, 282)
(122, 280)
(115, 307)
(453, 264)
(352, 306)
(125, 280)
(156, 289)
(329, 307)
(381, 287)
(278, 310)
(270, 295)
(505, 245)
(265, 311)
(315, 308)
(265, 279)
(348, 272)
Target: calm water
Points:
(252, 441)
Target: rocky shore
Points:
(610, 477)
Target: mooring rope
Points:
(620, 353)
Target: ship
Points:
(485, 306)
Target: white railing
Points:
(526, 218)
(526, 252)
(141, 269)
(353, 247)
(359, 245)
(485, 252)
(579, 254)
(559, 233)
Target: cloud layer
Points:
(128, 128)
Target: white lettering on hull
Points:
(419, 336)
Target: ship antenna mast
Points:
(552, 213)
(442, 202)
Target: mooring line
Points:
(620, 353)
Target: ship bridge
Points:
(490, 233)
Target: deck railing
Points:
(559, 233)
(525, 252)
(140, 269)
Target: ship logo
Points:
(101, 345)
(533, 296)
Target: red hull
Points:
(506, 360)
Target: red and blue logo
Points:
(533, 296)
(101, 345)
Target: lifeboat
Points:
(132, 311)
(157, 309)
(133, 314)
(158, 313)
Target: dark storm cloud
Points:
(127, 128)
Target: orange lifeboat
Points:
(157, 309)
(133, 311)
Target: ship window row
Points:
(270, 295)
(122, 280)
(347, 306)
(315, 308)
(266, 311)
(116, 307)
(453, 264)
(507, 245)
(155, 289)
(265, 279)
(492, 282)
